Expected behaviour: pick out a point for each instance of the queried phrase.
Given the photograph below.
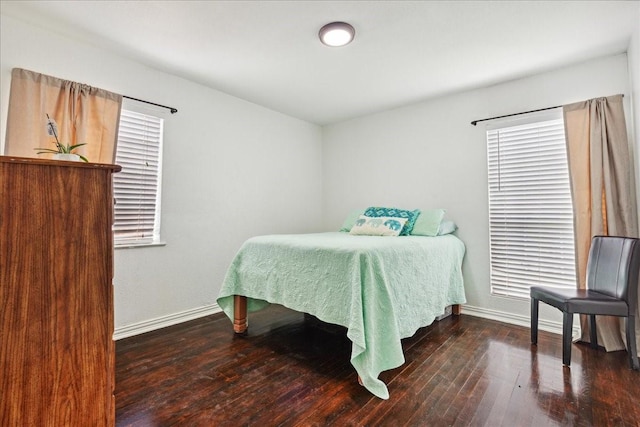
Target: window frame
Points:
(510, 277)
(139, 109)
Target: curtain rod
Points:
(475, 122)
(173, 110)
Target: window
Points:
(137, 186)
(530, 210)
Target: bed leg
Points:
(239, 314)
(456, 309)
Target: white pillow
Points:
(379, 226)
(447, 227)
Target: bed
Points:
(382, 289)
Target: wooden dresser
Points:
(56, 293)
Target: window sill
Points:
(138, 245)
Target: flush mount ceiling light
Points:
(337, 34)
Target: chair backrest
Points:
(613, 267)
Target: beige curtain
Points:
(84, 114)
(603, 192)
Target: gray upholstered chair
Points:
(612, 289)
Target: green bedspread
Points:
(382, 289)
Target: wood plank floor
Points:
(293, 370)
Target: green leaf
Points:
(46, 150)
(73, 147)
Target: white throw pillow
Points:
(379, 226)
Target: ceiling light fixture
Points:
(337, 34)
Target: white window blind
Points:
(530, 210)
(137, 186)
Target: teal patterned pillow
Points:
(410, 216)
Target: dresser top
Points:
(64, 163)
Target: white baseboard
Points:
(164, 321)
(195, 313)
(516, 319)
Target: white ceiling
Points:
(268, 52)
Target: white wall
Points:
(633, 55)
(232, 169)
(429, 156)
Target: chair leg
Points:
(567, 328)
(534, 321)
(593, 332)
(631, 343)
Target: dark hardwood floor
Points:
(293, 370)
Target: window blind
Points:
(137, 186)
(530, 210)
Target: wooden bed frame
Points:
(240, 313)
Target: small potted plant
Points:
(61, 152)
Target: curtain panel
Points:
(84, 114)
(603, 192)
